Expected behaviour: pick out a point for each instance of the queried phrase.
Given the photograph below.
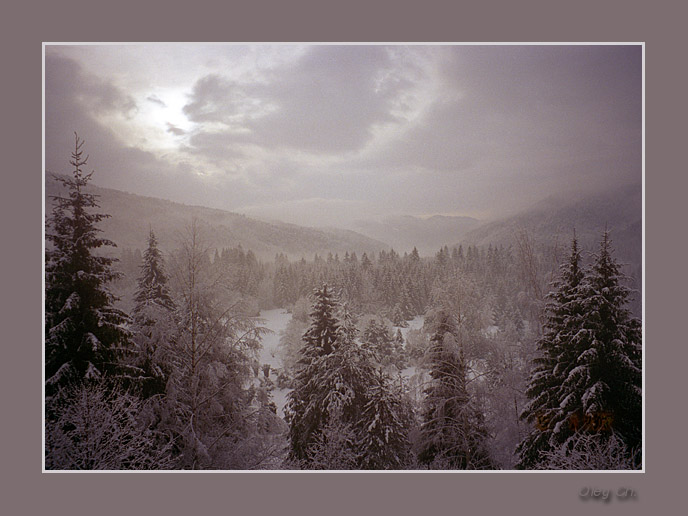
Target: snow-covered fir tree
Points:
(588, 378)
(384, 425)
(605, 388)
(556, 357)
(153, 290)
(341, 391)
(154, 323)
(453, 433)
(84, 333)
(331, 379)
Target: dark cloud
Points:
(155, 100)
(326, 102)
(173, 129)
(215, 99)
(64, 77)
(329, 100)
(533, 118)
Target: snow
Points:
(71, 303)
(275, 320)
(414, 324)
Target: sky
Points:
(323, 135)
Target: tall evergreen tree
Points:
(153, 316)
(605, 388)
(588, 378)
(556, 356)
(384, 425)
(305, 411)
(152, 286)
(453, 433)
(321, 336)
(331, 385)
(84, 333)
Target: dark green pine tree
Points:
(321, 336)
(331, 385)
(453, 433)
(589, 379)
(604, 391)
(84, 333)
(377, 338)
(556, 358)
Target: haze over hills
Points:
(405, 232)
(552, 220)
(556, 217)
(132, 215)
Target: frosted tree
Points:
(603, 392)
(207, 403)
(588, 379)
(564, 319)
(84, 333)
(589, 452)
(453, 433)
(378, 339)
(384, 425)
(153, 290)
(98, 427)
(331, 385)
(153, 321)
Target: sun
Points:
(161, 117)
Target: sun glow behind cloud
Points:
(376, 128)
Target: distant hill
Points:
(132, 215)
(428, 235)
(555, 218)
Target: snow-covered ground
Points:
(414, 324)
(275, 320)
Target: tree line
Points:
(510, 377)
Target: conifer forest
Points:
(183, 338)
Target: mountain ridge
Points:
(131, 216)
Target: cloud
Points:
(64, 77)
(155, 100)
(525, 118)
(171, 128)
(216, 99)
(353, 131)
(326, 102)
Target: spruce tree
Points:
(304, 411)
(555, 360)
(153, 321)
(84, 332)
(588, 378)
(453, 433)
(331, 385)
(604, 390)
(152, 285)
(384, 425)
